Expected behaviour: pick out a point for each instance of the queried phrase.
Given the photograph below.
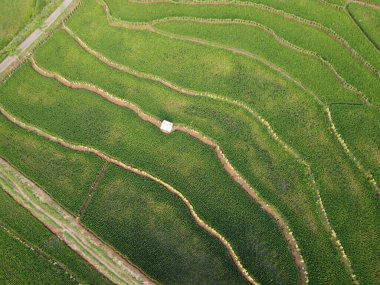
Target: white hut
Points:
(166, 127)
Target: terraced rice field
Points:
(270, 176)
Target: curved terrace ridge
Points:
(328, 31)
(365, 172)
(245, 107)
(141, 173)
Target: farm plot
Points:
(313, 40)
(362, 134)
(270, 173)
(25, 227)
(66, 176)
(178, 159)
(296, 116)
(264, 163)
(21, 265)
(368, 19)
(151, 227)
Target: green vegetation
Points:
(29, 229)
(18, 14)
(292, 100)
(368, 19)
(136, 215)
(178, 159)
(65, 175)
(312, 39)
(20, 19)
(245, 142)
(361, 134)
(296, 116)
(21, 265)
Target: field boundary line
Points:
(311, 23)
(266, 124)
(37, 249)
(93, 188)
(67, 228)
(81, 148)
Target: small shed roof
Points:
(166, 126)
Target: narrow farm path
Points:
(257, 116)
(139, 172)
(93, 188)
(67, 228)
(281, 13)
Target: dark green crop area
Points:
(65, 175)
(152, 227)
(251, 151)
(21, 265)
(287, 90)
(178, 159)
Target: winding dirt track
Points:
(290, 150)
(171, 189)
(67, 228)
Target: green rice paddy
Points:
(288, 91)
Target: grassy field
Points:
(18, 14)
(362, 134)
(261, 160)
(121, 134)
(288, 91)
(312, 40)
(368, 19)
(21, 265)
(155, 231)
(230, 75)
(22, 18)
(25, 226)
(66, 176)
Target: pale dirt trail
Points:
(227, 166)
(67, 228)
(171, 189)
